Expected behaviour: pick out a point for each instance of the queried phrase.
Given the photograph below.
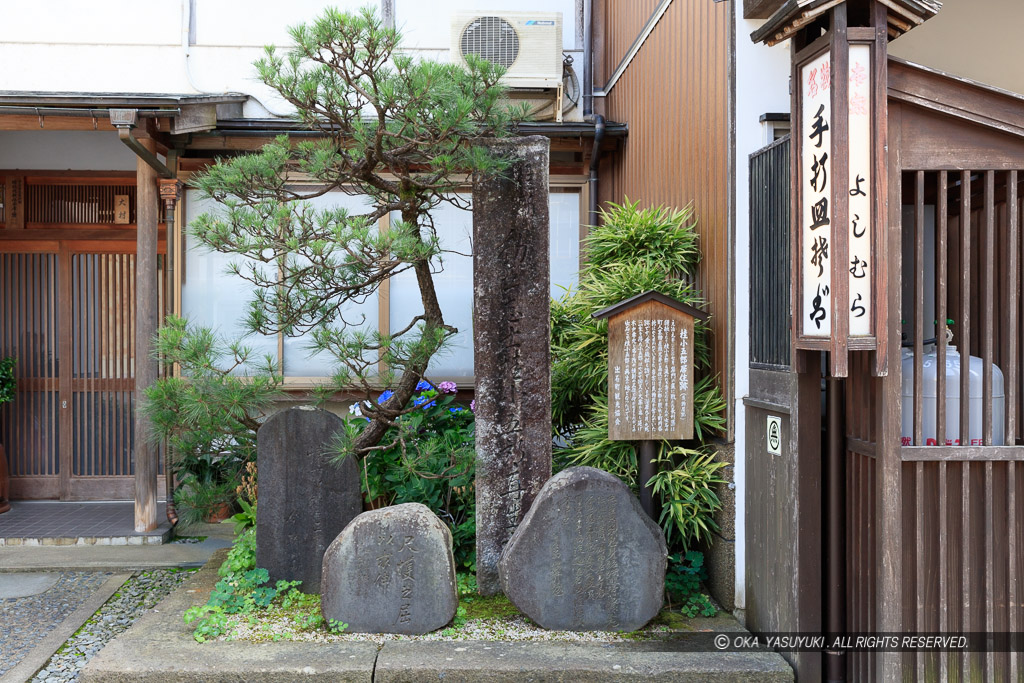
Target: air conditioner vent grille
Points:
(491, 38)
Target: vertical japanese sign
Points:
(816, 197)
(860, 267)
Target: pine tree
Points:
(396, 130)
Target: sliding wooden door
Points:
(69, 317)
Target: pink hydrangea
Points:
(447, 387)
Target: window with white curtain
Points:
(214, 297)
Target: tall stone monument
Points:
(305, 499)
(511, 335)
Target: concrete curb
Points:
(44, 649)
(95, 558)
(160, 647)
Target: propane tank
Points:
(930, 399)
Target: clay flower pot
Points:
(218, 514)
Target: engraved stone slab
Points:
(586, 557)
(305, 500)
(391, 571)
(511, 337)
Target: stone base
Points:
(720, 558)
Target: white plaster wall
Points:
(64, 150)
(762, 85)
(72, 46)
(976, 39)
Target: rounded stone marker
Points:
(391, 571)
(305, 499)
(586, 557)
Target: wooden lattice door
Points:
(69, 319)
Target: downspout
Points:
(588, 107)
(588, 59)
(595, 159)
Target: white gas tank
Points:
(930, 399)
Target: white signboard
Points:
(774, 435)
(816, 197)
(860, 191)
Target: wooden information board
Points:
(650, 368)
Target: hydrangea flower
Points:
(447, 387)
(385, 396)
(456, 410)
(354, 409)
(420, 400)
(423, 385)
(472, 405)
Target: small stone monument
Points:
(305, 500)
(391, 571)
(586, 557)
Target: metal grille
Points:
(769, 255)
(491, 38)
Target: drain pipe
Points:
(595, 158)
(588, 59)
(588, 107)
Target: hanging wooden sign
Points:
(839, 176)
(650, 368)
(122, 215)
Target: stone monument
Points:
(511, 337)
(586, 557)
(391, 571)
(305, 499)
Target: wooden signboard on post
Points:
(650, 368)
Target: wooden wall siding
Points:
(675, 98)
(103, 296)
(28, 331)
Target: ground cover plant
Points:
(209, 414)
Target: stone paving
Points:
(29, 619)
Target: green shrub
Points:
(682, 585)
(8, 385)
(209, 415)
(426, 457)
(632, 251)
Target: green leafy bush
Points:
(209, 415)
(682, 585)
(632, 251)
(8, 385)
(427, 456)
(245, 589)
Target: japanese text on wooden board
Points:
(650, 378)
(860, 190)
(816, 195)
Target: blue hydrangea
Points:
(420, 400)
(385, 396)
(424, 385)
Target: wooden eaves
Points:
(649, 295)
(794, 15)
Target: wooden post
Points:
(146, 292)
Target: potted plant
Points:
(7, 389)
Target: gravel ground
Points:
(517, 628)
(26, 621)
(139, 594)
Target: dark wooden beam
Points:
(760, 9)
(146, 321)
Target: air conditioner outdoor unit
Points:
(528, 44)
